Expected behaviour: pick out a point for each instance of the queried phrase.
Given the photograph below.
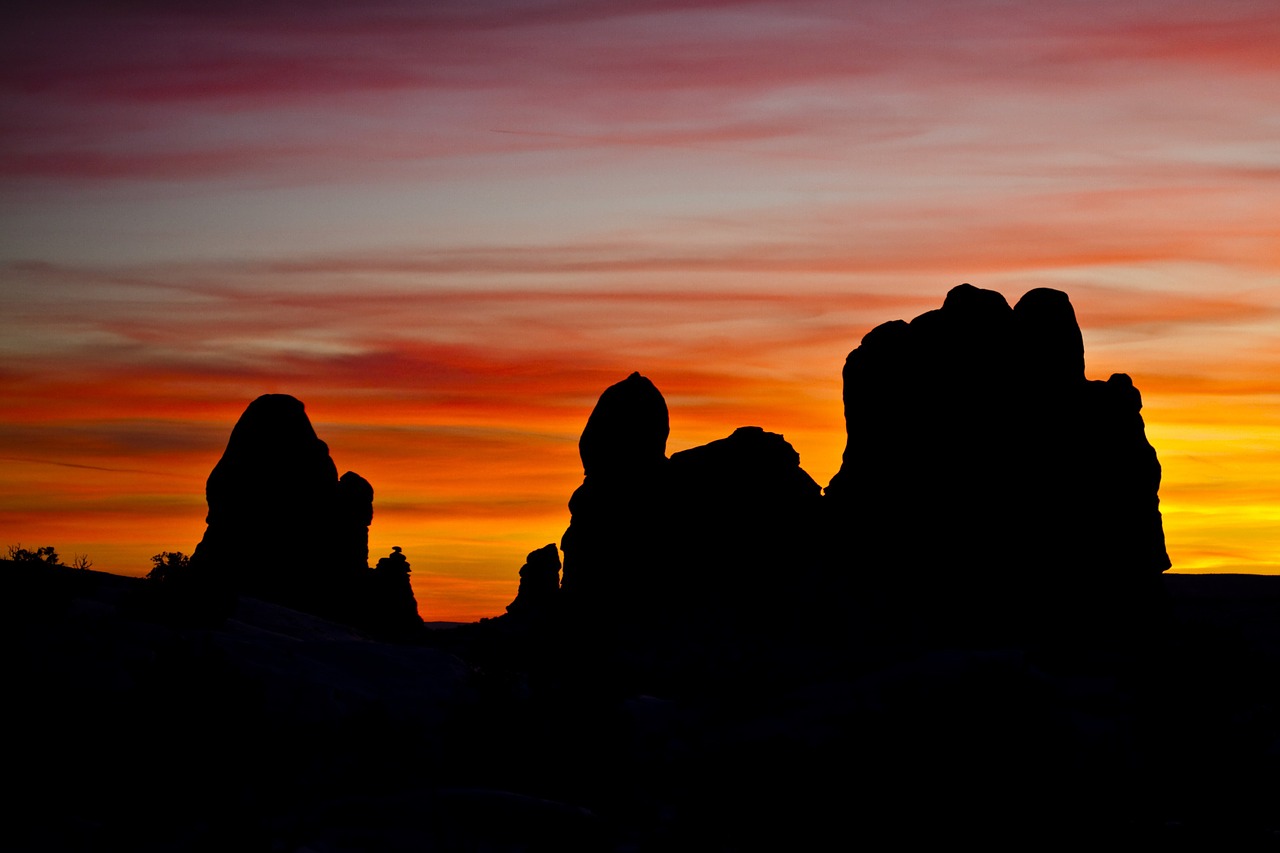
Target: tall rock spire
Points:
(619, 511)
(283, 527)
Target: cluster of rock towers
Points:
(986, 486)
(985, 481)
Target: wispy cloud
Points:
(448, 226)
(152, 92)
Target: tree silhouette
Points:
(44, 554)
(168, 565)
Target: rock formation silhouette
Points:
(390, 607)
(984, 475)
(987, 488)
(648, 533)
(675, 567)
(684, 689)
(283, 527)
(273, 506)
(612, 548)
(745, 522)
(539, 591)
(354, 514)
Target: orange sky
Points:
(448, 231)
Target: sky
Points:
(447, 227)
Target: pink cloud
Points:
(396, 82)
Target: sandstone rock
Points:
(284, 528)
(386, 596)
(354, 515)
(627, 430)
(273, 506)
(674, 567)
(614, 540)
(746, 516)
(539, 582)
(1048, 338)
(980, 461)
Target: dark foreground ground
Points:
(277, 731)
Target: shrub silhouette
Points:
(169, 566)
(44, 554)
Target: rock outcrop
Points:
(539, 591)
(988, 492)
(983, 470)
(676, 564)
(745, 524)
(386, 596)
(274, 510)
(283, 527)
(354, 515)
(626, 433)
(613, 548)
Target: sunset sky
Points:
(448, 226)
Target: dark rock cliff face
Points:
(283, 527)
(982, 468)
